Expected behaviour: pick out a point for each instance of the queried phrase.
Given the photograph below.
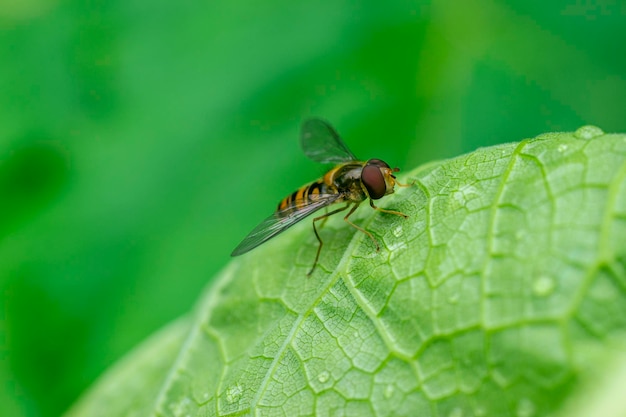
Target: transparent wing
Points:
(281, 221)
(321, 143)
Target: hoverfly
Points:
(351, 181)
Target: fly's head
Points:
(378, 179)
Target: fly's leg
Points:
(317, 235)
(325, 217)
(397, 213)
(399, 184)
(395, 180)
(360, 228)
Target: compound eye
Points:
(378, 162)
(373, 180)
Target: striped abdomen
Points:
(303, 196)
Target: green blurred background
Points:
(141, 140)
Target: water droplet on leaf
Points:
(588, 132)
(180, 408)
(389, 390)
(543, 285)
(323, 376)
(233, 393)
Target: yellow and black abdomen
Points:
(303, 196)
(343, 182)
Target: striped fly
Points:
(351, 182)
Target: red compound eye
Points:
(373, 179)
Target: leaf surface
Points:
(504, 287)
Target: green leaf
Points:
(498, 296)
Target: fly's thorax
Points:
(343, 176)
(377, 178)
(345, 179)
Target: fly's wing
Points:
(281, 221)
(321, 143)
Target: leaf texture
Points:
(501, 291)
